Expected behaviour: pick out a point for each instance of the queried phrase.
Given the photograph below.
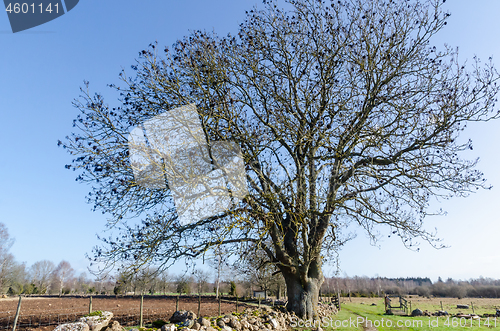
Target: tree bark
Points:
(303, 292)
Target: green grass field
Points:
(361, 315)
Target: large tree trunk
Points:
(303, 292)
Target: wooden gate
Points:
(396, 304)
(336, 301)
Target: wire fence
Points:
(34, 321)
(39, 320)
(30, 320)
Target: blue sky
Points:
(41, 70)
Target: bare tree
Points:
(164, 282)
(17, 277)
(219, 261)
(201, 278)
(104, 284)
(7, 261)
(259, 271)
(344, 113)
(82, 283)
(40, 273)
(183, 284)
(61, 274)
(123, 283)
(145, 281)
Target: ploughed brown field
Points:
(38, 313)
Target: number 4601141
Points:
(25, 8)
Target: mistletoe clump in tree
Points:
(343, 110)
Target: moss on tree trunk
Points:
(303, 291)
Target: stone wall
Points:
(251, 319)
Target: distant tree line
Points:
(247, 274)
(373, 287)
(45, 277)
(240, 279)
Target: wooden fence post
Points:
(199, 305)
(140, 318)
(219, 304)
(17, 314)
(90, 305)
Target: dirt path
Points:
(365, 325)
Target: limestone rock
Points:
(115, 326)
(234, 323)
(78, 326)
(186, 324)
(245, 324)
(274, 324)
(182, 316)
(417, 312)
(96, 323)
(169, 327)
(204, 322)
